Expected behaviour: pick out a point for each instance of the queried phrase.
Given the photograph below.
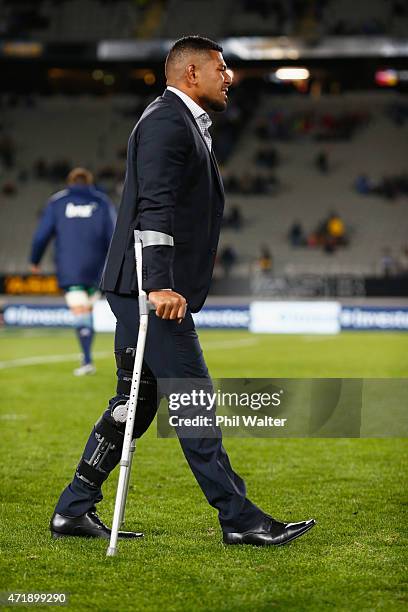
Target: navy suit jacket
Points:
(172, 186)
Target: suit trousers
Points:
(172, 351)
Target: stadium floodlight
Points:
(142, 239)
(292, 74)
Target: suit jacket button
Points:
(219, 214)
(213, 251)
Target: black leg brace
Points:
(103, 451)
(147, 400)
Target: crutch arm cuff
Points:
(154, 238)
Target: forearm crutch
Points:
(142, 240)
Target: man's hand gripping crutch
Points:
(168, 305)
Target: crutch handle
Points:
(145, 306)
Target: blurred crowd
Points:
(389, 187)
(226, 132)
(279, 124)
(26, 20)
(259, 177)
(250, 183)
(393, 265)
(329, 234)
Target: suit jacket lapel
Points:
(186, 110)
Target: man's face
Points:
(213, 82)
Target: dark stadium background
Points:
(77, 75)
(315, 239)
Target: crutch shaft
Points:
(128, 473)
(127, 442)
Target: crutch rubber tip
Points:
(111, 552)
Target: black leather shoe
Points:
(87, 525)
(270, 533)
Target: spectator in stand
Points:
(230, 182)
(250, 184)
(322, 162)
(9, 188)
(329, 234)
(363, 184)
(390, 187)
(403, 261)
(296, 235)
(40, 168)
(388, 263)
(267, 158)
(334, 234)
(285, 126)
(228, 258)
(336, 228)
(7, 152)
(81, 219)
(233, 218)
(265, 260)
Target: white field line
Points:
(42, 359)
(319, 338)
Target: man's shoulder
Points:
(162, 110)
(101, 196)
(163, 105)
(59, 195)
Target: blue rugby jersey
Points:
(81, 219)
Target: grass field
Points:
(354, 559)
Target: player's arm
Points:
(162, 150)
(43, 234)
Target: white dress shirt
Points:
(201, 117)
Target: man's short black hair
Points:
(191, 43)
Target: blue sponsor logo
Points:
(33, 315)
(36, 315)
(374, 318)
(222, 317)
(214, 317)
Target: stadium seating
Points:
(92, 20)
(179, 19)
(80, 20)
(91, 131)
(379, 149)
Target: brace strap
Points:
(125, 358)
(109, 432)
(109, 438)
(90, 475)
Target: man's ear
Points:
(191, 73)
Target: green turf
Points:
(355, 559)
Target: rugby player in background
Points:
(81, 219)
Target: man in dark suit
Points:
(173, 187)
